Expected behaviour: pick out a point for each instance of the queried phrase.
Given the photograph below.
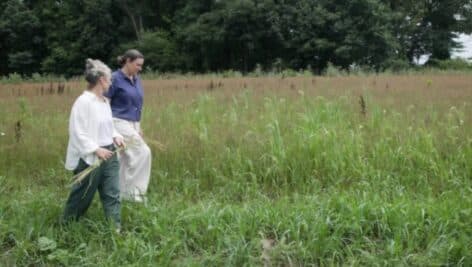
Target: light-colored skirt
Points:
(135, 161)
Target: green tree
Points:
(159, 50)
(212, 35)
(230, 35)
(79, 29)
(21, 44)
(340, 32)
(443, 18)
(429, 27)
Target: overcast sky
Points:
(466, 52)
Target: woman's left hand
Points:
(119, 141)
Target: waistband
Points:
(109, 147)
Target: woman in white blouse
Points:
(92, 137)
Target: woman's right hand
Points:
(103, 153)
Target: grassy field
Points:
(268, 171)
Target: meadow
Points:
(359, 170)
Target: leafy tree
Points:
(21, 45)
(232, 35)
(340, 32)
(212, 35)
(429, 27)
(443, 18)
(87, 30)
(159, 50)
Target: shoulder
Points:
(116, 75)
(138, 79)
(83, 100)
(84, 97)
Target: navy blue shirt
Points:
(126, 96)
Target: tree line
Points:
(55, 36)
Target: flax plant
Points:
(262, 171)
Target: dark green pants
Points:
(105, 179)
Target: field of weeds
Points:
(267, 171)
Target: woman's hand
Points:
(103, 153)
(119, 141)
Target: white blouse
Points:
(90, 127)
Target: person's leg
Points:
(125, 128)
(142, 166)
(109, 190)
(135, 161)
(139, 169)
(122, 174)
(81, 194)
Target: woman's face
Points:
(134, 66)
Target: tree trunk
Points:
(137, 27)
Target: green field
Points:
(270, 171)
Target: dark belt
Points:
(109, 147)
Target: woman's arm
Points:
(80, 128)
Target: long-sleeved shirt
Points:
(126, 96)
(90, 127)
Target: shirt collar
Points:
(94, 96)
(123, 76)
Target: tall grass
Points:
(294, 175)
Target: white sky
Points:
(466, 52)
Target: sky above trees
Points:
(466, 51)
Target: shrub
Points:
(450, 64)
(333, 71)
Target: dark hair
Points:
(94, 69)
(131, 54)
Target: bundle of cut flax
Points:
(79, 177)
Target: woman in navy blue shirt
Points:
(126, 100)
